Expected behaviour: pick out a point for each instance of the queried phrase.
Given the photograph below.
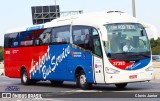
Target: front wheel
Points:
(82, 82)
(123, 85)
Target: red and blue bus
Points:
(87, 48)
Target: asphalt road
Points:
(68, 90)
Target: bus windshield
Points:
(126, 38)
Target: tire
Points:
(81, 81)
(24, 77)
(56, 83)
(123, 85)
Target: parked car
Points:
(156, 58)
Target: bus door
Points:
(98, 61)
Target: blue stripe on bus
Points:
(35, 28)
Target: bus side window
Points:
(11, 40)
(81, 36)
(53, 36)
(36, 36)
(6, 41)
(60, 35)
(44, 37)
(26, 38)
(97, 47)
(94, 32)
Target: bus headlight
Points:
(111, 71)
(150, 68)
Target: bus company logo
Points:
(132, 61)
(133, 66)
(12, 88)
(15, 51)
(7, 52)
(53, 61)
(76, 54)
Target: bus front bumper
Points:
(129, 77)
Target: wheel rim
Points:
(82, 79)
(24, 77)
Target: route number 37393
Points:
(119, 63)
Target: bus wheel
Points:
(56, 83)
(81, 81)
(123, 85)
(24, 77)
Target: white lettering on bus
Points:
(134, 66)
(60, 58)
(54, 62)
(121, 27)
(119, 63)
(46, 71)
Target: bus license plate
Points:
(132, 76)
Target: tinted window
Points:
(60, 35)
(97, 47)
(26, 38)
(43, 37)
(36, 37)
(81, 36)
(95, 32)
(11, 40)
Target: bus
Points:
(87, 49)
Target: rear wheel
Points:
(82, 82)
(123, 85)
(24, 77)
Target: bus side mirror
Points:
(153, 29)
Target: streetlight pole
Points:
(56, 8)
(133, 8)
(55, 2)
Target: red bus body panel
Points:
(16, 58)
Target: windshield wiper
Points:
(148, 56)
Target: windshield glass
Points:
(126, 38)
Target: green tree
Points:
(155, 46)
(1, 53)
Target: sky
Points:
(17, 13)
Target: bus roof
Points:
(90, 19)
